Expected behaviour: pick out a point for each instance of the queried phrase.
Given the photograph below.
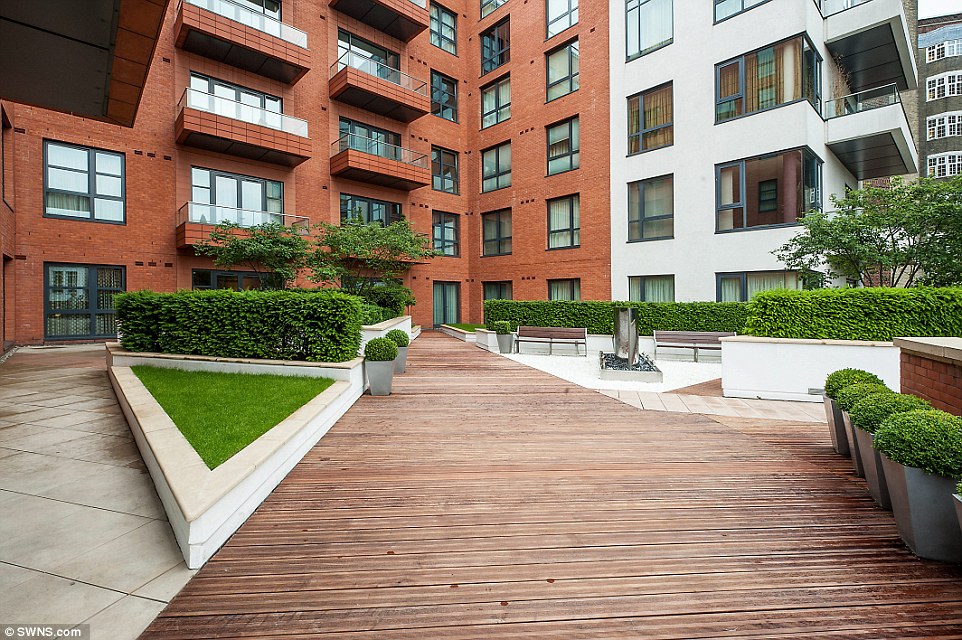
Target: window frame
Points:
(452, 104)
(212, 173)
(642, 218)
(214, 273)
(572, 9)
(238, 89)
(439, 219)
(743, 281)
(394, 210)
(91, 192)
(640, 135)
(497, 149)
(574, 222)
(644, 287)
(494, 4)
(503, 54)
(574, 147)
(441, 152)
(643, 52)
(441, 37)
(575, 284)
(499, 239)
(501, 285)
(92, 290)
(495, 85)
(573, 79)
(737, 13)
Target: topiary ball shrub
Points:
(838, 380)
(398, 337)
(501, 327)
(380, 350)
(869, 412)
(851, 394)
(929, 440)
(958, 489)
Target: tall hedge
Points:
(856, 314)
(598, 316)
(322, 326)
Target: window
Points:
(444, 170)
(648, 24)
(237, 93)
(650, 116)
(948, 49)
(944, 165)
(368, 139)
(496, 102)
(369, 210)
(270, 8)
(488, 6)
(447, 303)
(564, 289)
(495, 46)
(651, 288)
(363, 51)
(740, 287)
(564, 222)
(651, 209)
(563, 71)
(79, 300)
(444, 96)
(496, 167)
(445, 231)
(83, 183)
(233, 280)
(560, 15)
(564, 146)
(776, 189)
(944, 125)
(444, 29)
(497, 290)
(776, 75)
(728, 8)
(496, 233)
(230, 197)
(943, 86)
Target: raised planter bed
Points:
(379, 330)
(613, 368)
(460, 334)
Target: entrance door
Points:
(447, 303)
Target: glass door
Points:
(447, 303)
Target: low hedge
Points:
(598, 316)
(927, 440)
(373, 314)
(856, 314)
(321, 326)
(838, 380)
(869, 412)
(851, 394)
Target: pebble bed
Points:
(614, 363)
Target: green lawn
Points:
(467, 327)
(221, 413)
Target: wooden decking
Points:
(485, 500)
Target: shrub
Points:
(958, 489)
(372, 314)
(869, 412)
(851, 394)
(928, 440)
(838, 380)
(501, 327)
(398, 337)
(391, 295)
(380, 350)
(856, 314)
(321, 326)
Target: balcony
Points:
(195, 221)
(358, 158)
(218, 124)
(869, 133)
(231, 33)
(401, 19)
(871, 41)
(362, 82)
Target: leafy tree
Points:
(276, 251)
(907, 234)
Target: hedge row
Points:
(856, 314)
(598, 316)
(323, 326)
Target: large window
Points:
(944, 125)
(233, 280)
(236, 93)
(741, 286)
(648, 24)
(369, 210)
(444, 96)
(651, 288)
(488, 6)
(445, 232)
(944, 85)
(496, 102)
(230, 197)
(271, 8)
(364, 50)
(560, 15)
(83, 183)
(564, 222)
(776, 189)
(497, 290)
(564, 146)
(496, 167)
(651, 209)
(368, 139)
(496, 233)
(79, 300)
(727, 8)
(444, 28)
(947, 49)
(444, 170)
(496, 46)
(447, 303)
(569, 289)
(562, 74)
(944, 165)
(650, 117)
(776, 75)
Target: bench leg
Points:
(550, 346)
(696, 354)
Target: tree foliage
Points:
(276, 251)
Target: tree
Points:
(279, 252)
(907, 234)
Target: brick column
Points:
(932, 370)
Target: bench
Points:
(690, 340)
(552, 335)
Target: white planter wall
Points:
(379, 330)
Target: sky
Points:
(930, 8)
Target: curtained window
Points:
(560, 15)
(564, 146)
(497, 290)
(496, 102)
(741, 286)
(444, 29)
(564, 222)
(563, 71)
(651, 288)
(648, 24)
(650, 117)
(569, 289)
(83, 183)
(651, 209)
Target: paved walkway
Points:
(719, 406)
(83, 535)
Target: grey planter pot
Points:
(401, 362)
(380, 375)
(872, 466)
(836, 427)
(853, 445)
(924, 513)
(505, 342)
(958, 509)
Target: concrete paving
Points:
(719, 406)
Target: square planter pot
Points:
(924, 512)
(836, 427)
(380, 375)
(505, 342)
(958, 509)
(853, 445)
(872, 466)
(401, 362)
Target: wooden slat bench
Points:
(690, 340)
(552, 335)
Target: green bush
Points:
(380, 350)
(856, 314)
(398, 337)
(501, 327)
(373, 314)
(598, 316)
(927, 440)
(320, 326)
(851, 394)
(391, 295)
(838, 380)
(869, 412)
(958, 489)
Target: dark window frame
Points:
(494, 4)
(499, 174)
(574, 226)
(640, 221)
(214, 273)
(574, 146)
(500, 284)
(238, 89)
(640, 134)
(743, 281)
(262, 5)
(393, 209)
(499, 108)
(92, 292)
(644, 285)
(438, 90)
(240, 177)
(390, 58)
(499, 239)
(437, 178)
(91, 192)
(571, 282)
(573, 79)
(732, 15)
(440, 220)
(491, 58)
(572, 9)
(629, 55)
(439, 33)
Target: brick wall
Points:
(938, 381)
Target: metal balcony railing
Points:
(372, 67)
(209, 103)
(831, 7)
(200, 213)
(861, 101)
(380, 149)
(253, 19)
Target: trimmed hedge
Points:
(322, 326)
(851, 394)
(598, 316)
(373, 314)
(856, 314)
(838, 380)
(398, 337)
(927, 440)
(501, 327)
(380, 350)
(869, 412)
